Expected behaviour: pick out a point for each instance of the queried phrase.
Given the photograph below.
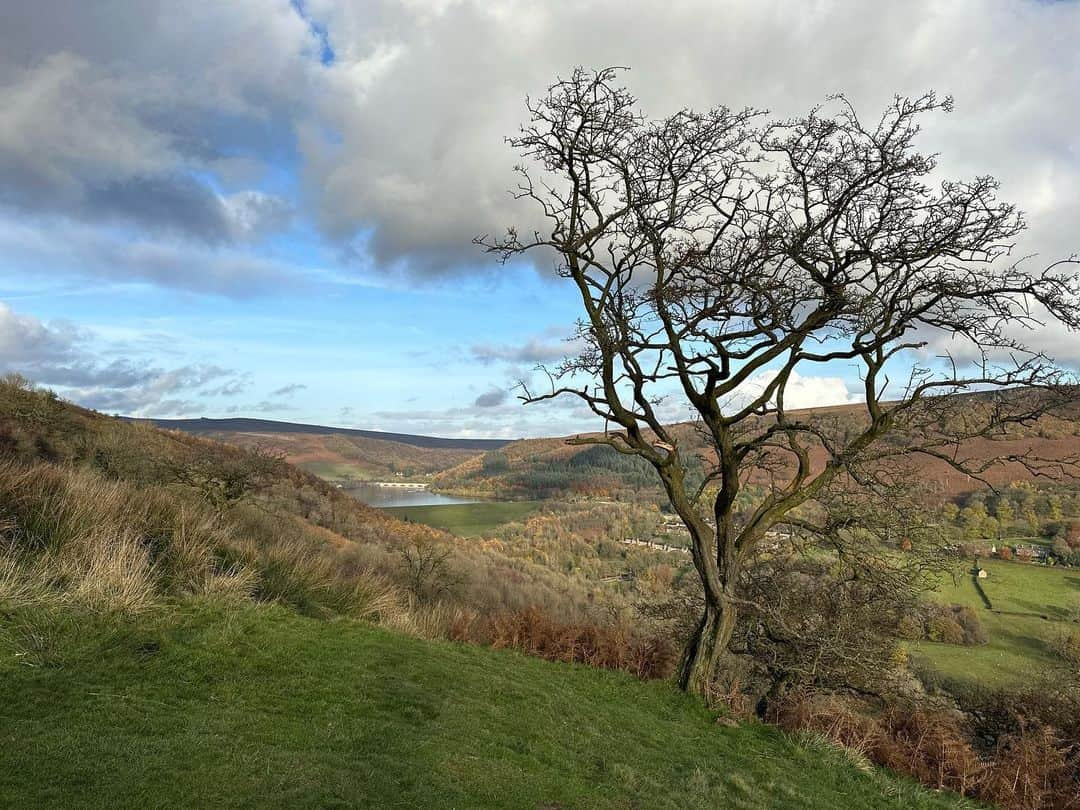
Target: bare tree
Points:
(719, 256)
(224, 477)
(427, 568)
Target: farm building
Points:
(1030, 551)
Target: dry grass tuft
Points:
(107, 570)
(111, 546)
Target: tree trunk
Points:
(697, 671)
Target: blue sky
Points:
(341, 349)
(265, 207)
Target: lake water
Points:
(386, 497)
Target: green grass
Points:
(336, 471)
(258, 707)
(1017, 652)
(1027, 588)
(467, 519)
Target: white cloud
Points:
(417, 156)
(67, 249)
(288, 390)
(135, 114)
(25, 339)
(62, 356)
(539, 349)
(400, 138)
(800, 391)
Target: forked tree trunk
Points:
(697, 671)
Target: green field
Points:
(467, 519)
(257, 707)
(337, 471)
(1017, 652)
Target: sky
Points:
(265, 208)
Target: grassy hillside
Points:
(83, 495)
(342, 458)
(194, 706)
(188, 622)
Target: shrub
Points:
(932, 747)
(828, 715)
(1066, 645)
(910, 628)
(427, 568)
(610, 646)
(952, 624)
(968, 619)
(944, 629)
(1030, 768)
(494, 463)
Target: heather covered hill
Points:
(344, 458)
(552, 467)
(339, 454)
(72, 473)
(270, 426)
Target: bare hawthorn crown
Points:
(712, 247)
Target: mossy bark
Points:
(697, 670)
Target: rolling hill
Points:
(270, 426)
(340, 454)
(550, 467)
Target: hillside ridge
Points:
(252, 425)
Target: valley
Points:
(575, 559)
(1033, 605)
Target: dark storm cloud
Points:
(148, 111)
(142, 113)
